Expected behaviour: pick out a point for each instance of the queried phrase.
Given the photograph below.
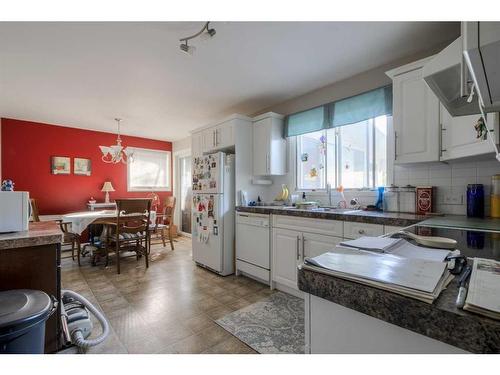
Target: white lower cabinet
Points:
(353, 230)
(317, 244)
(334, 329)
(286, 256)
(289, 249)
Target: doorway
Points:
(185, 193)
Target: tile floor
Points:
(169, 308)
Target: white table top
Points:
(81, 220)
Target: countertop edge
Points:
(38, 234)
(470, 332)
(360, 218)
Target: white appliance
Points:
(473, 58)
(14, 211)
(253, 256)
(213, 212)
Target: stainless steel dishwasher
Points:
(253, 255)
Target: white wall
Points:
(450, 178)
(182, 144)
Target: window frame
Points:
(167, 188)
(390, 153)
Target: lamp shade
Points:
(107, 187)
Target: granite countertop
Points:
(360, 216)
(441, 320)
(38, 234)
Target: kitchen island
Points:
(344, 316)
(31, 260)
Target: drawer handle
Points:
(361, 231)
(298, 246)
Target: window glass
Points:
(311, 156)
(149, 170)
(351, 155)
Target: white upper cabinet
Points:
(217, 137)
(459, 136)
(269, 145)
(197, 144)
(415, 116)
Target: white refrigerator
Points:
(213, 212)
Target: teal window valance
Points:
(346, 111)
(361, 107)
(308, 121)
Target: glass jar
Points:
(495, 196)
(475, 200)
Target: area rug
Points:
(271, 326)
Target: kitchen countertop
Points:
(40, 233)
(463, 222)
(371, 217)
(441, 320)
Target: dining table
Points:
(80, 221)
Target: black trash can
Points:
(23, 314)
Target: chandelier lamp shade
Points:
(116, 153)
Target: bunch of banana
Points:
(283, 194)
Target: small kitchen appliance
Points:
(14, 211)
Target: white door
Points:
(224, 135)
(415, 118)
(317, 244)
(207, 234)
(459, 136)
(197, 144)
(261, 147)
(185, 193)
(286, 255)
(208, 140)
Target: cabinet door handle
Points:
(213, 138)
(267, 163)
(298, 246)
(303, 247)
(216, 137)
(395, 145)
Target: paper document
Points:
(483, 296)
(397, 246)
(419, 274)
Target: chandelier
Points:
(117, 153)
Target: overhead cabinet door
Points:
(416, 119)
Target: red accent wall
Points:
(26, 151)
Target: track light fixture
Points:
(206, 33)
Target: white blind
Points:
(149, 170)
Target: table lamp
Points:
(107, 187)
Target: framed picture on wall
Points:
(60, 165)
(82, 166)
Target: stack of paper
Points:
(413, 271)
(483, 296)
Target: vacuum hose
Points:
(77, 335)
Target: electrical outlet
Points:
(453, 198)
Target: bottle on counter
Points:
(495, 196)
(475, 200)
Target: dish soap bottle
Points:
(380, 199)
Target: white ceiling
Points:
(85, 74)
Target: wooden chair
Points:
(72, 239)
(34, 210)
(165, 222)
(130, 230)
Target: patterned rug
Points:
(274, 325)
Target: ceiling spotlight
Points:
(187, 49)
(206, 33)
